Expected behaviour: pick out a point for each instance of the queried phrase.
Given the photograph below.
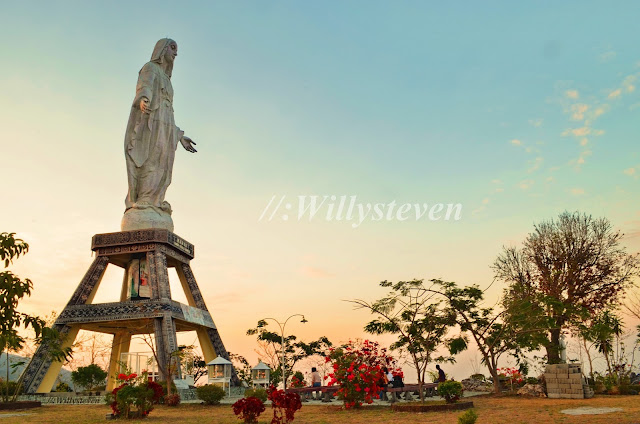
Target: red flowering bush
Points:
(158, 391)
(284, 405)
(248, 409)
(297, 380)
(134, 397)
(357, 368)
(512, 375)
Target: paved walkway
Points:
(588, 410)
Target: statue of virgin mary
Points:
(150, 143)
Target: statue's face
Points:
(171, 52)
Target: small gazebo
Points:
(220, 372)
(260, 375)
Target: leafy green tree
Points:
(294, 349)
(242, 367)
(12, 290)
(601, 331)
(197, 367)
(421, 324)
(494, 333)
(89, 377)
(566, 271)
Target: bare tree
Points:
(567, 270)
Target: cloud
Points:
(526, 184)
(608, 56)
(572, 94)
(499, 190)
(577, 132)
(627, 83)
(581, 159)
(550, 179)
(535, 164)
(496, 181)
(535, 122)
(630, 171)
(577, 191)
(615, 93)
(516, 142)
(600, 110)
(578, 111)
(313, 272)
(485, 201)
(584, 142)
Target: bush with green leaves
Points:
(211, 394)
(468, 417)
(257, 393)
(89, 377)
(63, 387)
(450, 390)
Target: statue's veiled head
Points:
(164, 53)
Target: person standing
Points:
(441, 376)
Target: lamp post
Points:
(282, 325)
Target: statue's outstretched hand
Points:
(188, 144)
(144, 105)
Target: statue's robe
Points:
(150, 141)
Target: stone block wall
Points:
(565, 381)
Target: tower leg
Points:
(121, 343)
(166, 345)
(41, 372)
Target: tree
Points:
(12, 290)
(294, 350)
(567, 270)
(242, 367)
(172, 366)
(420, 323)
(89, 377)
(494, 333)
(601, 331)
(196, 366)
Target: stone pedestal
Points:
(565, 381)
(158, 314)
(140, 219)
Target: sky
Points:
(514, 111)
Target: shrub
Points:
(164, 387)
(248, 409)
(63, 387)
(89, 377)
(511, 376)
(357, 368)
(284, 405)
(298, 380)
(479, 377)
(158, 392)
(172, 400)
(133, 392)
(450, 390)
(468, 417)
(532, 380)
(257, 393)
(210, 394)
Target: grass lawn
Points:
(491, 410)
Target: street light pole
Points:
(282, 325)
